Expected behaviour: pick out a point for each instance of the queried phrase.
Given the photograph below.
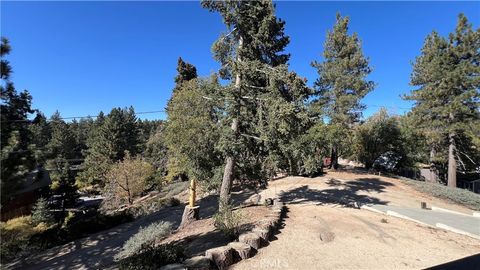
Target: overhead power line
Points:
(88, 116)
(205, 97)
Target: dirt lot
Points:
(322, 231)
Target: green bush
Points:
(457, 195)
(172, 201)
(228, 221)
(153, 257)
(152, 206)
(174, 188)
(145, 237)
(15, 235)
(41, 213)
(307, 152)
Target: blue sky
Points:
(83, 57)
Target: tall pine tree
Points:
(41, 135)
(447, 97)
(191, 133)
(342, 83)
(17, 157)
(252, 58)
(116, 133)
(62, 143)
(185, 72)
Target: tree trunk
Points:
(130, 201)
(368, 165)
(227, 176)
(433, 169)
(331, 159)
(452, 164)
(334, 158)
(230, 160)
(190, 214)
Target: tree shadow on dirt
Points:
(209, 205)
(343, 193)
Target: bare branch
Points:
(233, 30)
(461, 162)
(248, 97)
(469, 158)
(251, 136)
(255, 87)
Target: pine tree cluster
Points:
(263, 118)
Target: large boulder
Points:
(263, 233)
(252, 239)
(266, 223)
(241, 251)
(274, 219)
(222, 257)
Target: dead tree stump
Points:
(190, 214)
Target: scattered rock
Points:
(327, 236)
(221, 256)
(241, 251)
(198, 263)
(268, 201)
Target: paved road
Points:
(461, 222)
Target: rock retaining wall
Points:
(247, 245)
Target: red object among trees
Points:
(327, 161)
